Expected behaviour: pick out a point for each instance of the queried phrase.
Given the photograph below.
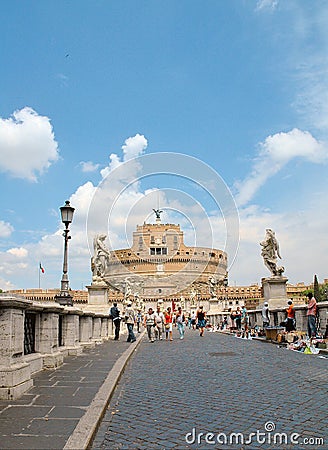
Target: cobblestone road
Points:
(221, 385)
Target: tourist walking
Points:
(139, 320)
(159, 323)
(201, 321)
(290, 320)
(311, 315)
(114, 314)
(244, 320)
(189, 321)
(180, 321)
(193, 321)
(130, 321)
(168, 320)
(149, 323)
(265, 315)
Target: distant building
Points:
(44, 295)
(159, 265)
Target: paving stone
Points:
(45, 417)
(216, 384)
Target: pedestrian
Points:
(114, 314)
(201, 321)
(290, 320)
(232, 319)
(311, 315)
(168, 320)
(238, 318)
(139, 320)
(159, 323)
(244, 321)
(193, 321)
(180, 321)
(149, 323)
(189, 321)
(130, 320)
(265, 315)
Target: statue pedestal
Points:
(214, 305)
(98, 298)
(275, 292)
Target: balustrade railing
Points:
(29, 333)
(36, 336)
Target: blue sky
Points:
(240, 85)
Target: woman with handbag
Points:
(168, 319)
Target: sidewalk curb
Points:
(87, 426)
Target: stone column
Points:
(15, 374)
(49, 333)
(96, 329)
(71, 330)
(104, 328)
(86, 326)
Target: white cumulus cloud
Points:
(132, 148)
(20, 252)
(5, 229)
(88, 166)
(275, 152)
(27, 144)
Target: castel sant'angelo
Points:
(159, 266)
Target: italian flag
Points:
(41, 268)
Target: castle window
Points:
(158, 251)
(140, 242)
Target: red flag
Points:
(41, 268)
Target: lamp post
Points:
(64, 297)
(225, 284)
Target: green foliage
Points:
(323, 288)
(306, 292)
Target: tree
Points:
(316, 290)
(324, 292)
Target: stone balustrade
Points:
(278, 315)
(36, 336)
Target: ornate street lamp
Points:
(64, 297)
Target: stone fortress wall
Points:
(160, 265)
